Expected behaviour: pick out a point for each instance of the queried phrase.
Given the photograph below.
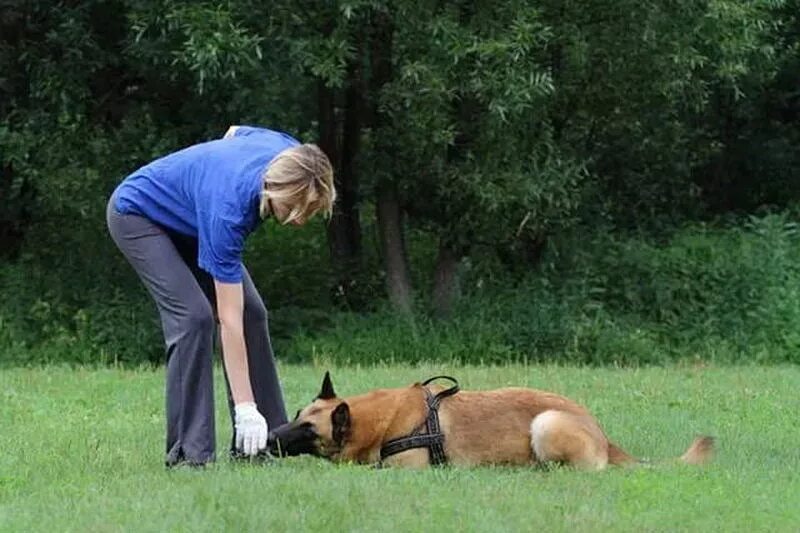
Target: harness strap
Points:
(433, 439)
(407, 443)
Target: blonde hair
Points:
(301, 177)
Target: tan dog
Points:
(513, 426)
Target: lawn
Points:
(81, 450)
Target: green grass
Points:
(81, 450)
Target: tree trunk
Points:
(344, 229)
(389, 210)
(446, 286)
(351, 144)
(390, 226)
(14, 212)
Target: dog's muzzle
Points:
(292, 439)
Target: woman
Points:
(181, 221)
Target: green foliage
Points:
(208, 43)
(652, 97)
(735, 287)
(464, 156)
(500, 124)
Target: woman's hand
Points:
(251, 428)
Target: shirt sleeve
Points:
(220, 246)
(276, 140)
(246, 131)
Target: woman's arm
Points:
(250, 425)
(230, 308)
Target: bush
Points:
(718, 294)
(725, 294)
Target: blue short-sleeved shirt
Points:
(211, 191)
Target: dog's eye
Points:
(297, 415)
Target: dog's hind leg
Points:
(567, 438)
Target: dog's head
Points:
(321, 428)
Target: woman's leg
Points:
(188, 325)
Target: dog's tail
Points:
(700, 452)
(619, 457)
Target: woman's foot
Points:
(261, 457)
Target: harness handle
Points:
(434, 403)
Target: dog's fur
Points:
(513, 426)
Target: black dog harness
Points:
(428, 434)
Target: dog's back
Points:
(494, 427)
(520, 426)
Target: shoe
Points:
(185, 465)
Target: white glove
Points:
(251, 428)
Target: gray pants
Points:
(166, 262)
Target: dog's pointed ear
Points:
(340, 422)
(326, 392)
